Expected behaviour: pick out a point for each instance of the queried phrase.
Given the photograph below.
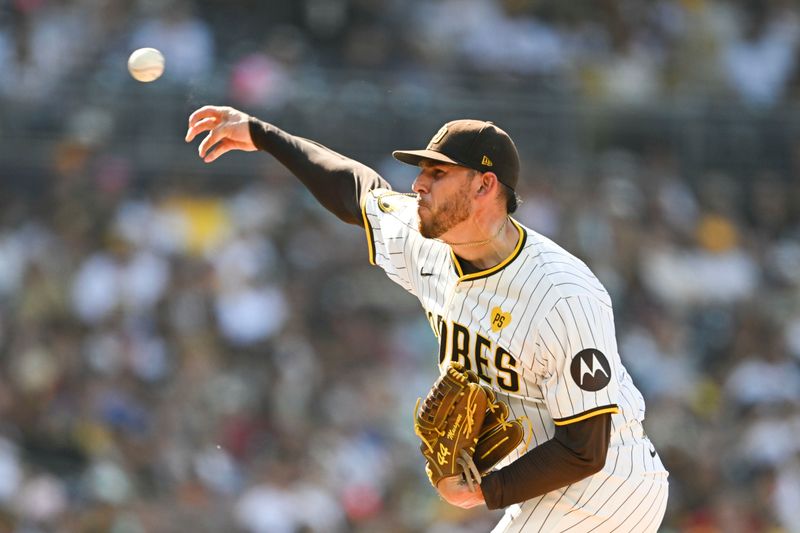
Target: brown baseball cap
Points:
(476, 144)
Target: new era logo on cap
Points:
(476, 144)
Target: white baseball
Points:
(146, 64)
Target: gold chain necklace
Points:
(477, 243)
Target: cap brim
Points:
(413, 157)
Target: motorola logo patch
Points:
(590, 370)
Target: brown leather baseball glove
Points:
(498, 437)
(449, 421)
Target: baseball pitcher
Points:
(525, 329)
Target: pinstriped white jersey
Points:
(538, 328)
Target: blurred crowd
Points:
(182, 351)
(620, 51)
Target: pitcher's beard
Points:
(444, 218)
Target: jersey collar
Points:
(523, 235)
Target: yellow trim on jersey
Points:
(368, 230)
(500, 266)
(613, 409)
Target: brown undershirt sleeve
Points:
(337, 182)
(576, 451)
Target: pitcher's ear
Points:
(488, 182)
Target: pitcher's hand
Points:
(229, 130)
(454, 490)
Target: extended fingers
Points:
(204, 119)
(223, 147)
(207, 111)
(224, 132)
(200, 126)
(210, 140)
(217, 150)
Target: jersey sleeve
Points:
(577, 350)
(390, 223)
